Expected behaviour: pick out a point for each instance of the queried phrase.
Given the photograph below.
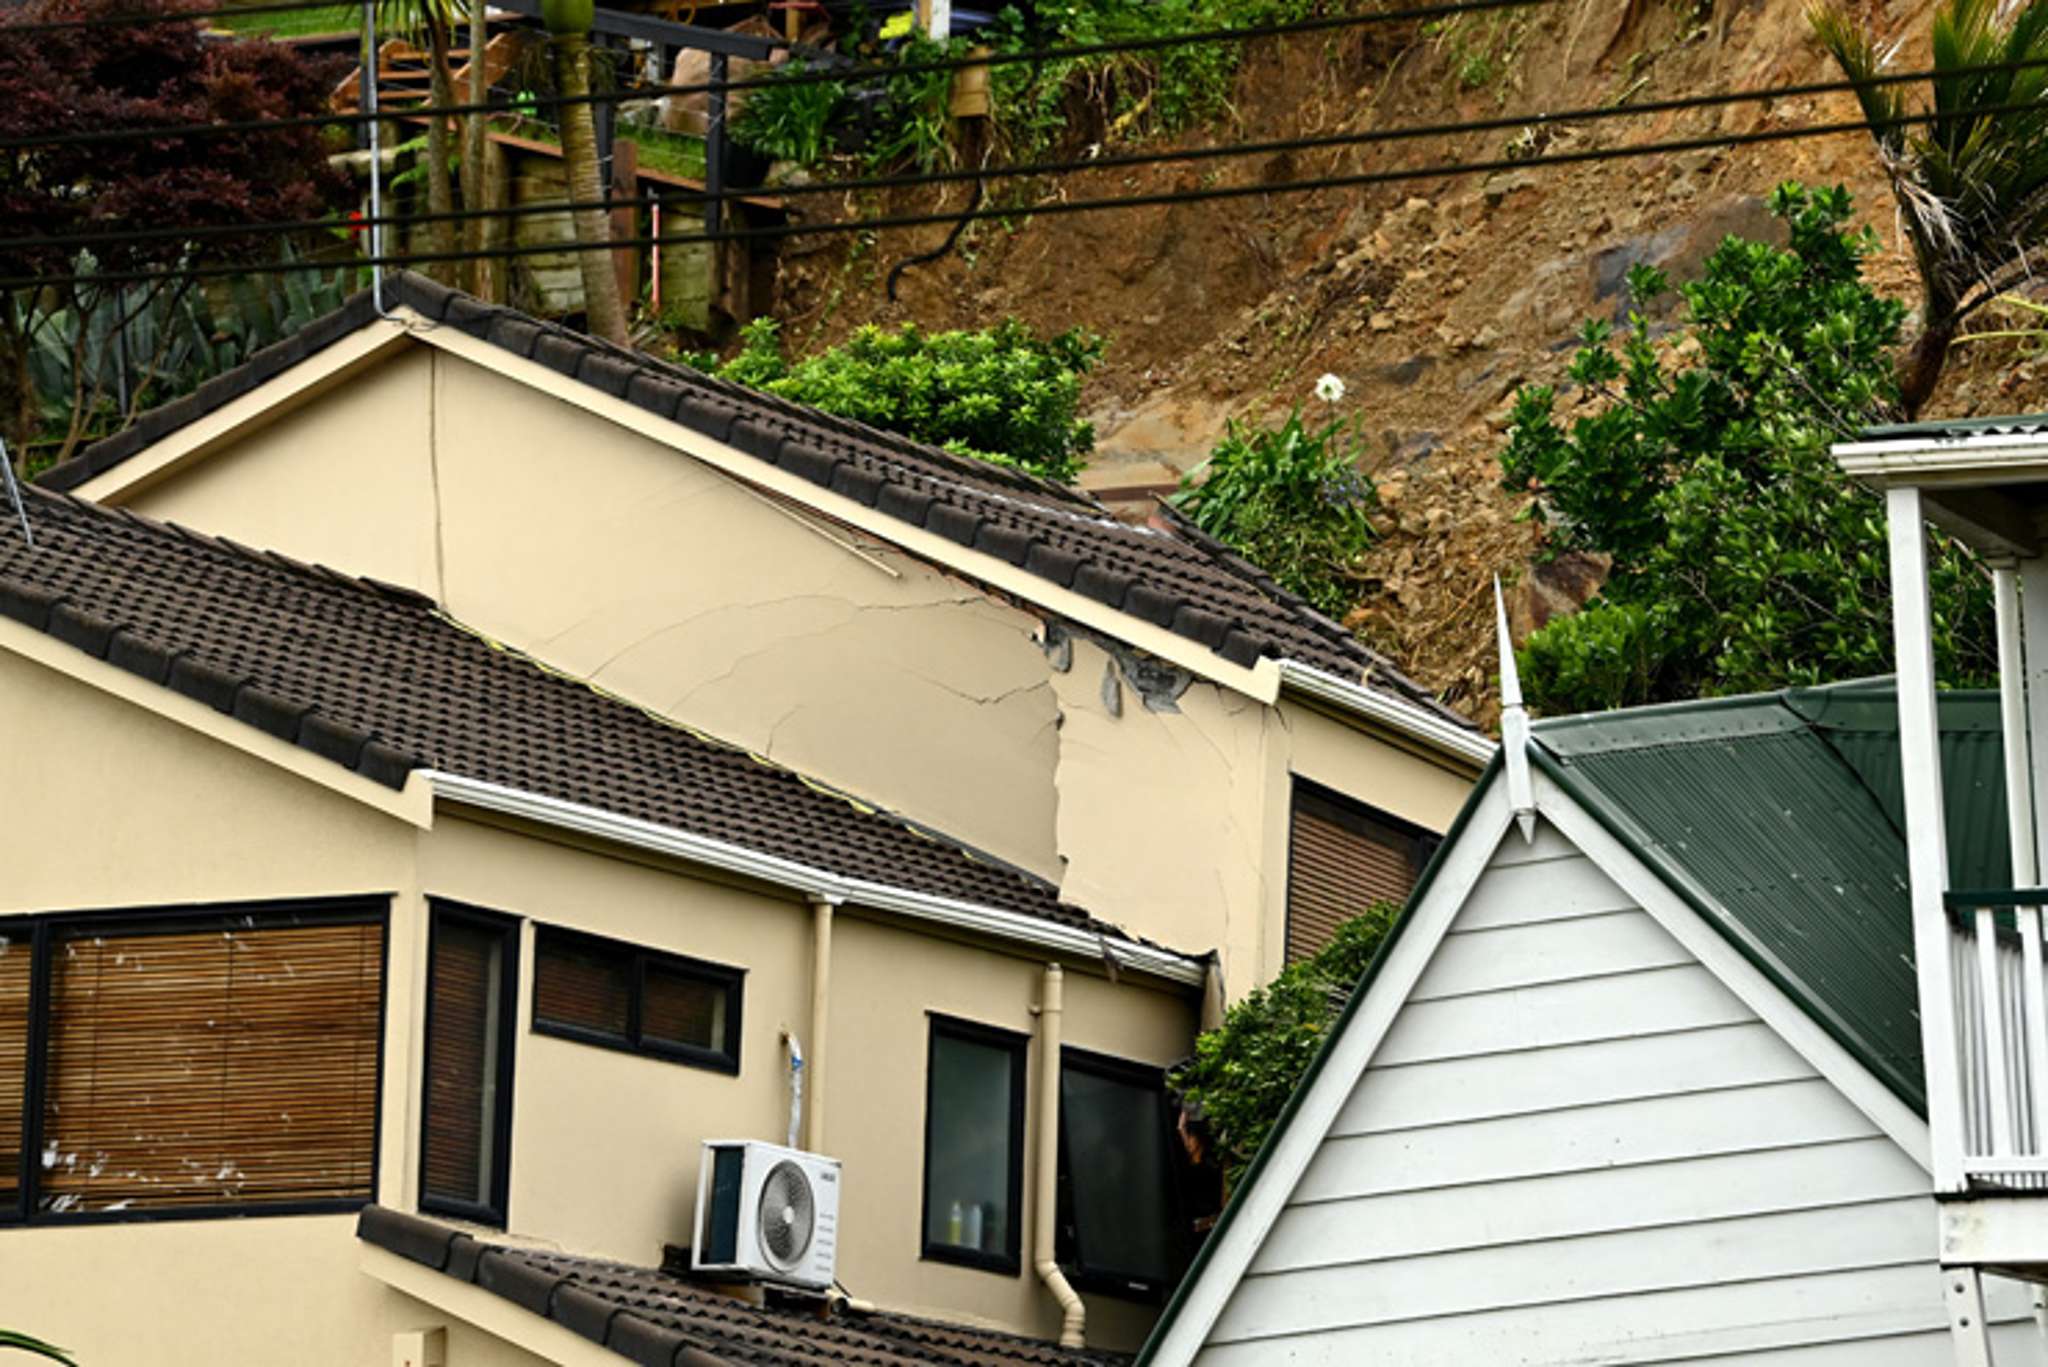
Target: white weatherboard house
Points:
(1642, 1085)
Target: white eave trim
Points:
(1924, 455)
(814, 882)
(1416, 723)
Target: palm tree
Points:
(433, 20)
(569, 24)
(1972, 179)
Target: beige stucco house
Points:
(326, 912)
(1131, 713)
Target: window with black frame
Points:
(1119, 1230)
(621, 996)
(195, 1062)
(974, 1145)
(466, 1113)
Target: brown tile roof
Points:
(661, 1321)
(1183, 582)
(378, 680)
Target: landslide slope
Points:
(1433, 298)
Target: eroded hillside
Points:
(1433, 298)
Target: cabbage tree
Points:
(1972, 180)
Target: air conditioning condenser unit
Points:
(767, 1212)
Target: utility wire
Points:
(812, 75)
(1055, 207)
(1024, 170)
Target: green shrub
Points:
(1292, 501)
(1243, 1071)
(1000, 394)
(1743, 559)
(790, 120)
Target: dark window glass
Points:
(1343, 857)
(466, 1122)
(583, 984)
(622, 996)
(1118, 1226)
(683, 1009)
(974, 1140)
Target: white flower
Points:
(1330, 389)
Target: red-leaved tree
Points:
(91, 80)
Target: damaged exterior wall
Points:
(619, 559)
(1174, 807)
(1158, 802)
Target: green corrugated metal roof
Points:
(2025, 424)
(1778, 817)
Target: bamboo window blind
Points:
(464, 1030)
(15, 961)
(210, 1067)
(584, 984)
(1341, 859)
(625, 996)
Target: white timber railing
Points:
(1999, 987)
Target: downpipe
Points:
(1045, 1204)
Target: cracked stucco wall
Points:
(624, 561)
(1163, 814)
(1174, 820)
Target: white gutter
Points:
(1932, 449)
(815, 882)
(1416, 723)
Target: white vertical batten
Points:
(1991, 1022)
(2014, 681)
(1514, 726)
(1926, 830)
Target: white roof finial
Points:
(1514, 725)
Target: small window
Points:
(1118, 1218)
(620, 996)
(974, 1145)
(466, 1121)
(1343, 857)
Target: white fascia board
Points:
(1418, 724)
(815, 882)
(1990, 456)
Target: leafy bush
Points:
(790, 120)
(1243, 1071)
(1292, 501)
(1743, 559)
(1000, 394)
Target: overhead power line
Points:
(1051, 208)
(809, 75)
(1028, 170)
